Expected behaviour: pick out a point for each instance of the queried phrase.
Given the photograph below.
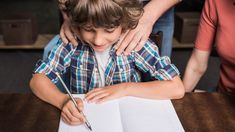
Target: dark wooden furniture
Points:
(27, 113)
(198, 112)
(206, 112)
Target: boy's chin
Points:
(99, 49)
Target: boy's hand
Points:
(100, 95)
(66, 33)
(70, 114)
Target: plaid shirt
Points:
(80, 61)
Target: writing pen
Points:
(73, 100)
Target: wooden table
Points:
(199, 112)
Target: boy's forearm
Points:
(47, 91)
(172, 89)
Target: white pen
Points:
(73, 100)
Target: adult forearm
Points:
(155, 8)
(196, 67)
(191, 78)
(47, 91)
(172, 89)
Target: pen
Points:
(73, 100)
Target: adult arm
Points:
(196, 67)
(198, 61)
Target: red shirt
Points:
(217, 26)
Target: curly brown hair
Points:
(104, 13)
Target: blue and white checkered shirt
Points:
(80, 61)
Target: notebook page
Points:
(144, 115)
(103, 117)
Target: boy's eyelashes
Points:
(109, 30)
(91, 29)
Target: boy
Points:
(94, 67)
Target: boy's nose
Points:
(98, 40)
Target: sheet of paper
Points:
(129, 114)
(143, 115)
(102, 117)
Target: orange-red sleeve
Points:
(207, 26)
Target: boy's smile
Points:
(100, 38)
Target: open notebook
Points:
(128, 114)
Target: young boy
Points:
(94, 67)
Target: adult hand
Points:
(66, 33)
(70, 114)
(100, 95)
(134, 39)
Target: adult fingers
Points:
(62, 35)
(125, 42)
(141, 42)
(69, 34)
(134, 42)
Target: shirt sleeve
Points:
(207, 26)
(57, 61)
(148, 60)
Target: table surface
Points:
(197, 112)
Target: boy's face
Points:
(100, 38)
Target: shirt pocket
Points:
(81, 75)
(124, 71)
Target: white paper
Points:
(129, 114)
(144, 115)
(103, 117)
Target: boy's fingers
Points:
(141, 44)
(65, 118)
(106, 98)
(80, 104)
(76, 116)
(98, 97)
(68, 114)
(92, 93)
(70, 121)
